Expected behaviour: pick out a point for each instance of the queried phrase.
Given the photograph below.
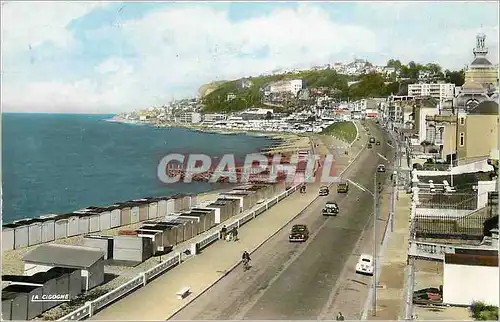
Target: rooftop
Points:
(64, 255)
(485, 108)
(481, 61)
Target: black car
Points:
(331, 209)
(369, 146)
(299, 233)
(389, 142)
(324, 191)
(372, 140)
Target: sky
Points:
(98, 57)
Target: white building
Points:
(286, 86)
(189, 117)
(471, 275)
(439, 91)
(214, 117)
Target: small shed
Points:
(178, 202)
(134, 212)
(89, 260)
(104, 217)
(186, 202)
(73, 224)
(194, 200)
(125, 213)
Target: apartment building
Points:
(439, 91)
(286, 86)
(189, 117)
(472, 135)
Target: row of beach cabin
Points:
(34, 231)
(161, 235)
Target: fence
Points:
(453, 200)
(142, 279)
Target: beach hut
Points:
(21, 234)
(186, 202)
(125, 213)
(7, 238)
(22, 307)
(162, 207)
(84, 224)
(171, 206)
(115, 216)
(205, 220)
(197, 222)
(178, 202)
(143, 205)
(104, 243)
(73, 224)
(34, 231)
(61, 227)
(188, 226)
(194, 201)
(104, 218)
(132, 248)
(48, 228)
(173, 233)
(94, 221)
(134, 212)
(244, 197)
(152, 207)
(232, 205)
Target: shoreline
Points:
(286, 142)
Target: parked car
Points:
(299, 233)
(369, 146)
(365, 265)
(324, 191)
(389, 142)
(381, 168)
(343, 187)
(331, 209)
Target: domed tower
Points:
(481, 70)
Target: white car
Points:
(365, 265)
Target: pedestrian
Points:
(223, 232)
(340, 317)
(235, 234)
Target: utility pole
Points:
(375, 212)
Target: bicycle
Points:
(246, 265)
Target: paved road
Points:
(295, 281)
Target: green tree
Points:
(455, 77)
(395, 63)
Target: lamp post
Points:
(374, 280)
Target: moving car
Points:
(378, 143)
(324, 191)
(343, 187)
(299, 233)
(381, 168)
(369, 146)
(372, 140)
(389, 142)
(331, 209)
(365, 265)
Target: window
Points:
(462, 120)
(462, 139)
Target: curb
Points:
(233, 267)
(357, 134)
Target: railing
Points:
(433, 251)
(101, 302)
(453, 200)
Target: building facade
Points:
(286, 86)
(481, 70)
(439, 91)
(189, 117)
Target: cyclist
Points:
(245, 258)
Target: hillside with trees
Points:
(368, 85)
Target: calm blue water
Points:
(56, 163)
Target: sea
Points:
(59, 163)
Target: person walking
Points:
(340, 317)
(223, 232)
(235, 234)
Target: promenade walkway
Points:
(158, 300)
(390, 293)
